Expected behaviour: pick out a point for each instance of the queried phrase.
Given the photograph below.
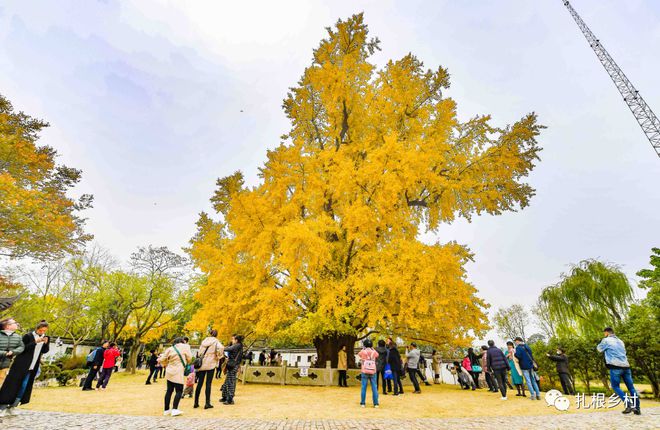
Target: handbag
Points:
(534, 365)
(476, 368)
(387, 372)
(232, 363)
(186, 367)
(198, 361)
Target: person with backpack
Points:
(110, 356)
(94, 362)
(235, 355)
(528, 366)
(368, 357)
(561, 361)
(176, 361)
(210, 351)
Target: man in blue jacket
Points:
(94, 366)
(499, 365)
(616, 361)
(526, 360)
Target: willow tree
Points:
(325, 248)
(591, 296)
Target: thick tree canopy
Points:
(37, 218)
(326, 244)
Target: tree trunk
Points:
(132, 355)
(74, 351)
(328, 346)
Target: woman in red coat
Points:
(109, 357)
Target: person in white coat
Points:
(210, 351)
(175, 359)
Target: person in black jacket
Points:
(561, 361)
(499, 365)
(394, 360)
(475, 360)
(235, 356)
(17, 388)
(381, 361)
(152, 361)
(95, 365)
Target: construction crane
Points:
(641, 111)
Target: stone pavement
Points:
(37, 420)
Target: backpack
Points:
(369, 365)
(91, 356)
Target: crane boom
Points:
(641, 111)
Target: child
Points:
(190, 383)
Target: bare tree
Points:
(543, 319)
(165, 275)
(512, 322)
(158, 262)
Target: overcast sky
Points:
(146, 98)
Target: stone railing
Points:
(285, 375)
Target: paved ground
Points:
(35, 420)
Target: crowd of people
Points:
(500, 369)
(491, 367)
(272, 358)
(184, 373)
(383, 368)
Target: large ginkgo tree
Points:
(325, 249)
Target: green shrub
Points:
(64, 377)
(48, 371)
(69, 363)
